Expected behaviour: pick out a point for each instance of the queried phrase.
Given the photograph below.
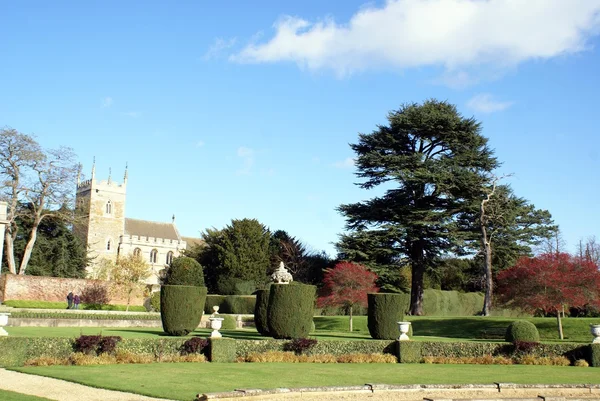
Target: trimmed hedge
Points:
(594, 355)
(185, 271)
(410, 351)
(451, 303)
(181, 308)
(334, 347)
(260, 312)
(290, 311)
(222, 350)
(29, 304)
(385, 310)
(234, 304)
(521, 330)
(82, 315)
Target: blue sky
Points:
(238, 109)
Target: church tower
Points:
(100, 212)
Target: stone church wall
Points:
(54, 289)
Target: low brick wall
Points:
(55, 289)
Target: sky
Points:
(237, 109)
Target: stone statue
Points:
(281, 275)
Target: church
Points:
(106, 232)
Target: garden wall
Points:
(55, 289)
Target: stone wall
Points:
(34, 288)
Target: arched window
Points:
(108, 245)
(169, 257)
(137, 252)
(109, 207)
(153, 255)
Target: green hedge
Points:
(181, 308)
(291, 309)
(334, 347)
(385, 310)
(260, 312)
(409, 351)
(522, 330)
(82, 315)
(594, 355)
(185, 271)
(451, 303)
(222, 350)
(234, 304)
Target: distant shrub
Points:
(581, 363)
(95, 296)
(229, 322)
(522, 330)
(185, 271)
(194, 345)
(155, 301)
(300, 345)
(96, 345)
(524, 347)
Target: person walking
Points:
(76, 301)
(70, 300)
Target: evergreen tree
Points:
(438, 162)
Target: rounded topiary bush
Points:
(260, 312)
(181, 308)
(385, 310)
(185, 271)
(522, 330)
(290, 311)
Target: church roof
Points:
(145, 228)
(192, 241)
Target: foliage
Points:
(43, 179)
(290, 357)
(95, 296)
(260, 312)
(82, 315)
(347, 285)
(128, 274)
(194, 345)
(240, 251)
(222, 350)
(521, 330)
(409, 352)
(437, 160)
(385, 310)
(548, 282)
(181, 308)
(234, 304)
(96, 345)
(300, 345)
(521, 347)
(185, 271)
(57, 252)
(451, 303)
(285, 298)
(155, 301)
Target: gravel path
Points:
(61, 390)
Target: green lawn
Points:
(182, 381)
(336, 328)
(12, 396)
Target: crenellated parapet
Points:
(146, 241)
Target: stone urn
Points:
(595, 329)
(403, 327)
(3, 322)
(215, 323)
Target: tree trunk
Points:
(416, 290)
(29, 247)
(350, 319)
(560, 330)
(486, 246)
(10, 252)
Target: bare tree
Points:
(42, 179)
(590, 250)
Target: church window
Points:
(108, 245)
(109, 207)
(153, 255)
(137, 252)
(169, 258)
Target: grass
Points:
(12, 396)
(181, 381)
(63, 305)
(335, 328)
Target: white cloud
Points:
(132, 114)
(218, 48)
(346, 163)
(454, 34)
(107, 102)
(199, 144)
(485, 103)
(247, 156)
